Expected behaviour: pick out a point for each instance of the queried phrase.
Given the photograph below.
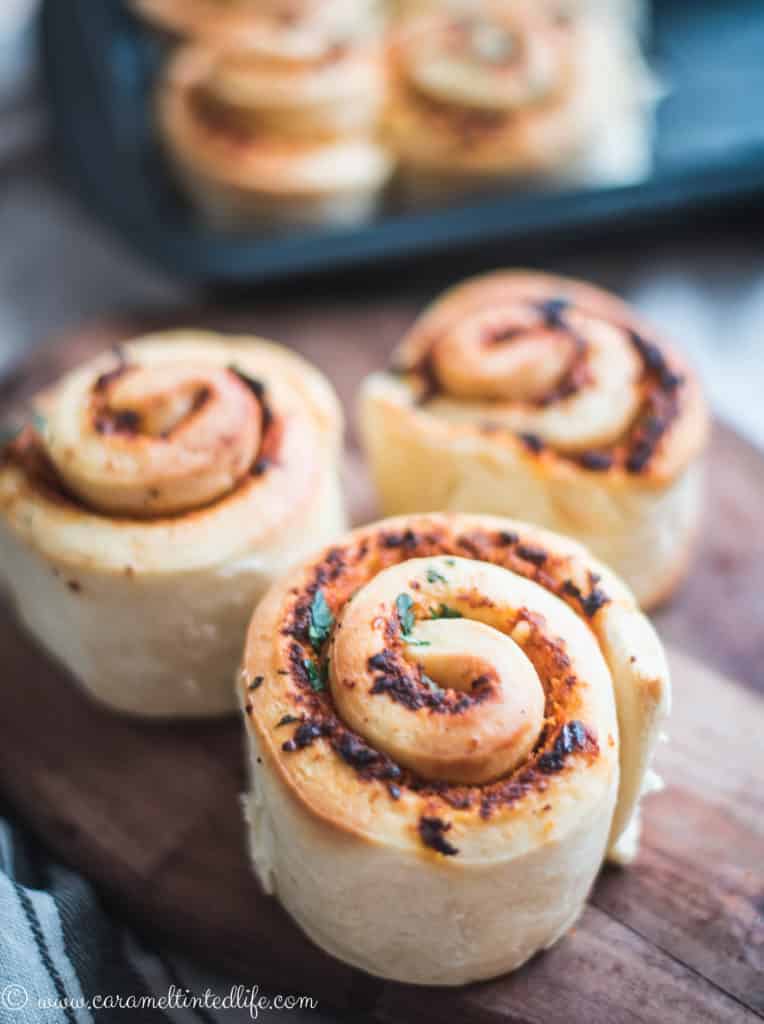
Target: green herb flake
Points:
(39, 422)
(287, 720)
(315, 675)
(404, 609)
(321, 620)
(451, 562)
(445, 612)
(433, 576)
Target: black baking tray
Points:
(100, 64)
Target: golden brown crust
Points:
(672, 424)
(531, 395)
(295, 406)
(146, 441)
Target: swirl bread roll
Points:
(271, 142)
(488, 91)
(282, 28)
(548, 399)
(170, 484)
(333, 91)
(451, 720)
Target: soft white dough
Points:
(163, 644)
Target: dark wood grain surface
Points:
(150, 812)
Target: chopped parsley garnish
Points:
(445, 612)
(39, 422)
(321, 620)
(404, 606)
(316, 677)
(404, 609)
(287, 720)
(433, 576)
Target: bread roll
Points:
(451, 720)
(487, 92)
(164, 489)
(548, 399)
(282, 28)
(269, 144)
(335, 92)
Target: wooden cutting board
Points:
(150, 812)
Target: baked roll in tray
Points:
(530, 395)
(277, 138)
(278, 27)
(451, 720)
(491, 91)
(161, 489)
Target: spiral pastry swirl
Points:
(164, 487)
(452, 715)
(276, 141)
(336, 91)
(529, 395)
(292, 29)
(486, 91)
(148, 440)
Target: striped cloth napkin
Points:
(64, 960)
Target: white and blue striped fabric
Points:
(64, 959)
